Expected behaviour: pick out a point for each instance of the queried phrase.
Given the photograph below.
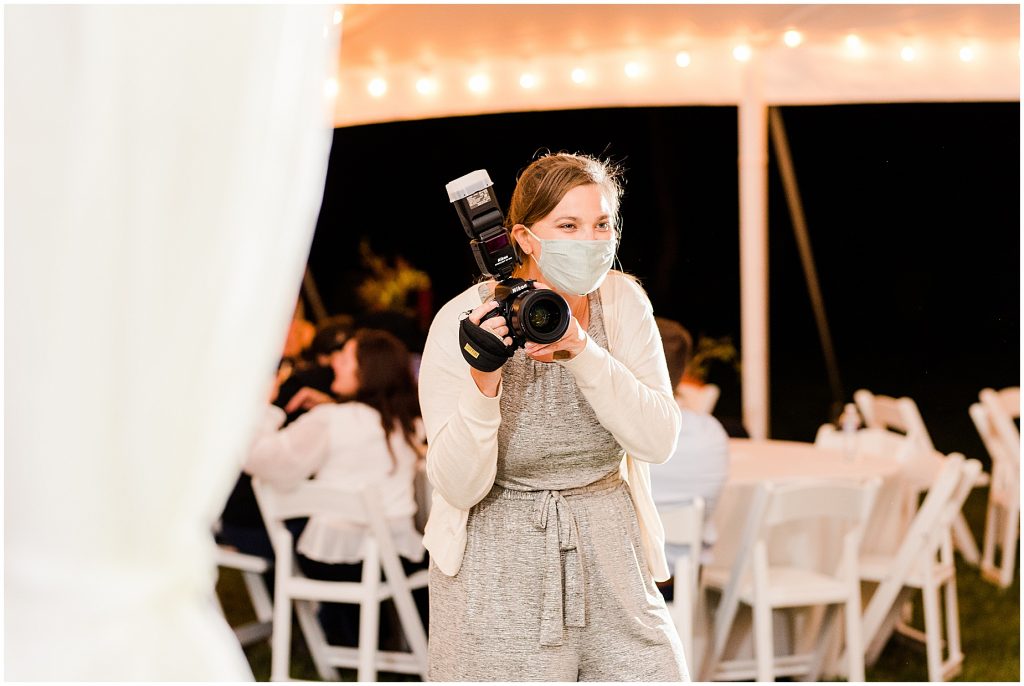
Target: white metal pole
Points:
(753, 174)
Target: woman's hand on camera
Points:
(570, 345)
(488, 382)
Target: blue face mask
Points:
(572, 266)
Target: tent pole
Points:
(753, 174)
(796, 210)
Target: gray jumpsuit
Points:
(553, 584)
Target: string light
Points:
(633, 69)
(854, 45)
(426, 85)
(478, 83)
(377, 87)
(527, 80)
(337, 17)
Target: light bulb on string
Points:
(792, 38)
(578, 75)
(908, 54)
(854, 45)
(966, 54)
(682, 58)
(478, 83)
(633, 69)
(527, 80)
(742, 53)
(377, 87)
(337, 17)
(426, 85)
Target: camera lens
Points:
(542, 314)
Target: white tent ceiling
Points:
(441, 47)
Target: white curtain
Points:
(164, 168)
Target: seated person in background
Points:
(315, 372)
(374, 438)
(700, 464)
(307, 383)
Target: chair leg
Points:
(369, 620)
(822, 642)
(932, 627)
(412, 627)
(259, 596)
(964, 540)
(682, 615)
(988, 555)
(854, 639)
(764, 643)
(281, 637)
(1011, 525)
(316, 641)
(956, 655)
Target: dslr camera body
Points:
(533, 314)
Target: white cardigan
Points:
(627, 386)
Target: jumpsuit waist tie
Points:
(563, 603)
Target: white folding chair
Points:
(252, 568)
(924, 562)
(684, 526)
(993, 417)
(359, 507)
(700, 399)
(764, 586)
(902, 415)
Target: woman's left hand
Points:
(567, 347)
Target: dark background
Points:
(912, 211)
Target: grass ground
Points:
(989, 623)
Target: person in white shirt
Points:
(374, 438)
(700, 464)
(544, 542)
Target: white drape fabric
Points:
(164, 169)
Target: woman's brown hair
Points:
(386, 383)
(543, 184)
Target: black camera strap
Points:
(481, 348)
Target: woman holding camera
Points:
(544, 540)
